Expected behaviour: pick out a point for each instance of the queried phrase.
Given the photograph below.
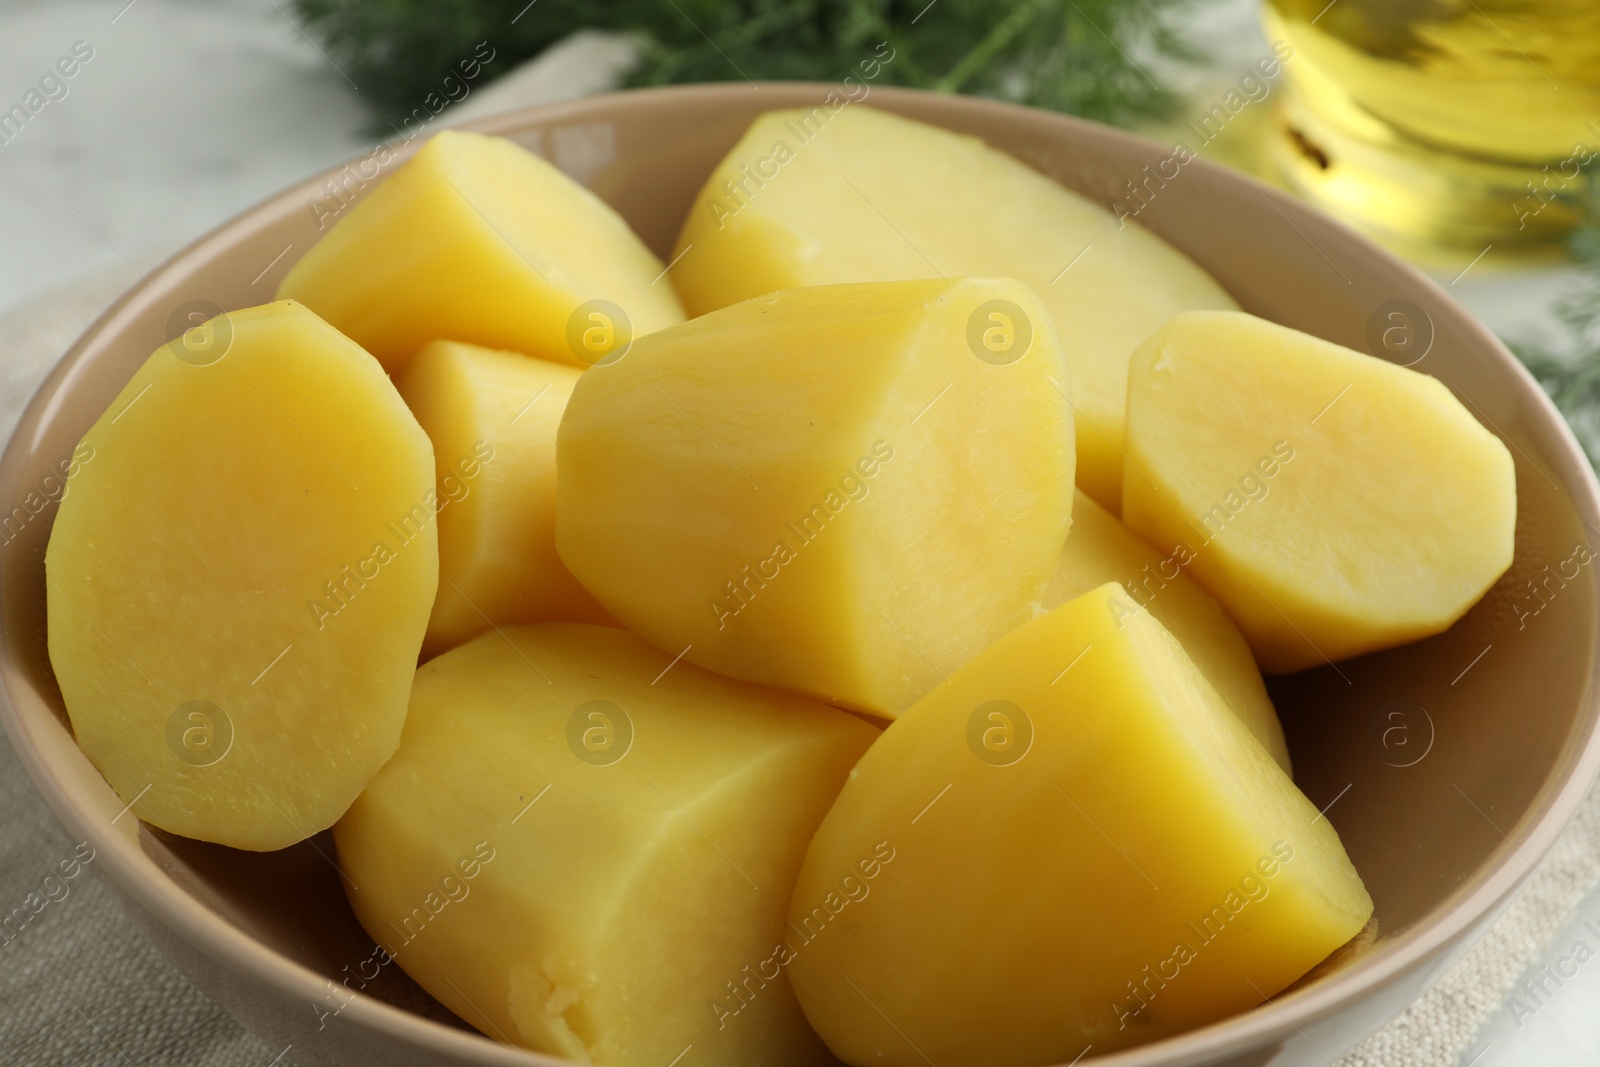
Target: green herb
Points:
(1570, 372)
(1076, 56)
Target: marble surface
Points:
(189, 111)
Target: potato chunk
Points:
(477, 239)
(1100, 549)
(845, 491)
(1085, 844)
(581, 851)
(1334, 503)
(239, 582)
(492, 417)
(859, 195)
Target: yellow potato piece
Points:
(1334, 503)
(859, 195)
(846, 491)
(1086, 845)
(239, 582)
(581, 851)
(492, 417)
(477, 239)
(1100, 549)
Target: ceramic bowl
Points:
(1448, 766)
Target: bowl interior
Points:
(1443, 764)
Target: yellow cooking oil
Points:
(1452, 122)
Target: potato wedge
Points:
(492, 418)
(1100, 549)
(1334, 503)
(580, 851)
(841, 491)
(239, 582)
(859, 195)
(477, 239)
(1083, 841)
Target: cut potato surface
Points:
(857, 195)
(1087, 844)
(492, 417)
(239, 582)
(1334, 503)
(477, 239)
(846, 491)
(580, 852)
(1100, 549)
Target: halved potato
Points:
(492, 417)
(854, 194)
(1076, 837)
(239, 583)
(477, 239)
(1100, 549)
(582, 851)
(845, 491)
(1334, 503)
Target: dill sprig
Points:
(1570, 370)
(1067, 55)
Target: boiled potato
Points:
(492, 417)
(1334, 503)
(239, 582)
(1100, 549)
(477, 239)
(1085, 848)
(857, 195)
(845, 491)
(582, 851)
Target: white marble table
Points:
(188, 112)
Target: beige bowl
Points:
(1449, 766)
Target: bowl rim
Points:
(1463, 913)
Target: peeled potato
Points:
(492, 417)
(845, 491)
(1100, 549)
(1334, 503)
(239, 583)
(579, 850)
(859, 195)
(477, 239)
(1087, 844)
